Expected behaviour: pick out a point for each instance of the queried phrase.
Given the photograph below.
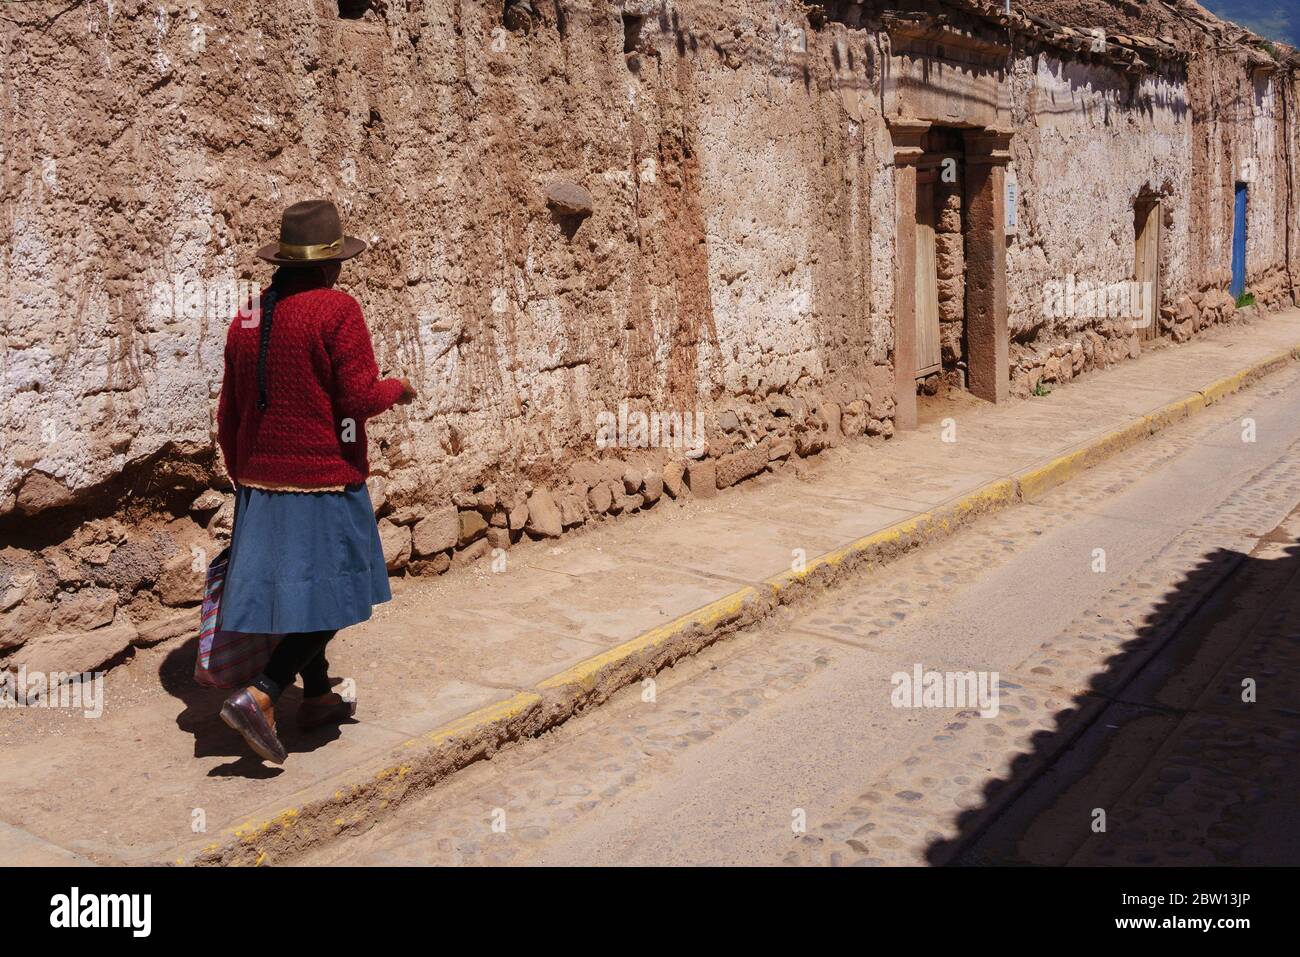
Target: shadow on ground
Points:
(212, 738)
(1165, 760)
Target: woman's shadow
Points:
(212, 737)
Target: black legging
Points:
(301, 654)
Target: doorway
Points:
(967, 219)
(940, 277)
(1146, 267)
(929, 359)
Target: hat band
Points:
(312, 250)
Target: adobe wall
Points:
(1088, 145)
(732, 265)
(738, 261)
(1089, 141)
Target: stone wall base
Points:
(115, 584)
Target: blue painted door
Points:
(1239, 242)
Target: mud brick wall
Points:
(1184, 142)
(1091, 142)
(733, 264)
(725, 251)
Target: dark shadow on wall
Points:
(1184, 771)
(1123, 91)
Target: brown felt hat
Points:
(310, 233)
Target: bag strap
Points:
(230, 559)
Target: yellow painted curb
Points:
(1224, 387)
(1038, 479)
(1176, 411)
(1234, 383)
(472, 724)
(910, 532)
(505, 718)
(477, 725)
(585, 674)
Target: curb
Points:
(421, 762)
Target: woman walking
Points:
(305, 557)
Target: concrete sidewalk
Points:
(458, 665)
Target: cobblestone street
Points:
(1120, 736)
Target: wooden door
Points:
(929, 358)
(1146, 269)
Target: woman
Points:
(305, 557)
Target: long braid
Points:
(264, 342)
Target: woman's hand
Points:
(408, 393)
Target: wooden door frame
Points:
(987, 152)
(1151, 211)
(907, 135)
(926, 177)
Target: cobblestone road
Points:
(1122, 614)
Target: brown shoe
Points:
(322, 710)
(242, 712)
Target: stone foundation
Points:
(135, 578)
(113, 584)
(1060, 359)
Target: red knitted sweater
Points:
(321, 375)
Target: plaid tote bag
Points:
(227, 659)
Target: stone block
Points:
(572, 512)
(471, 526)
(653, 487)
(472, 552)
(77, 652)
(674, 474)
(396, 542)
(436, 565)
(24, 622)
(600, 498)
(737, 466)
(544, 518)
(84, 610)
(180, 583)
(702, 478)
(569, 199)
(40, 492)
(439, 531)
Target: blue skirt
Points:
(302, 561)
